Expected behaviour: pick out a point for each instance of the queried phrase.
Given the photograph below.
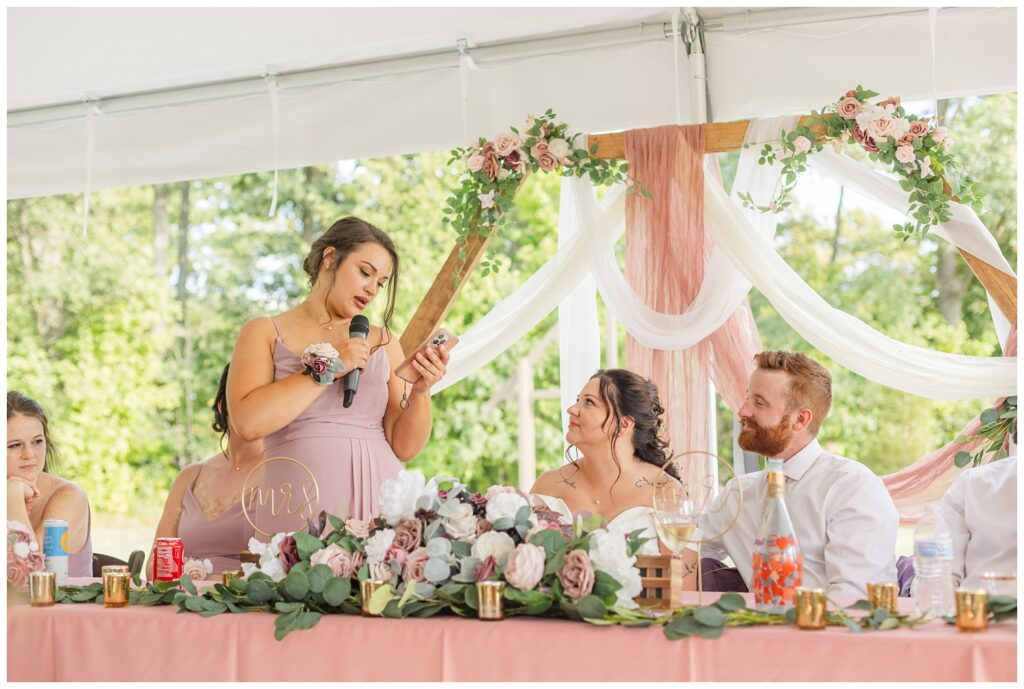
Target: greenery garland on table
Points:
(432, 543)
(916, 149)
(494, 170)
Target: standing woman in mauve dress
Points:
(333, 458)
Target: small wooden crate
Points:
(662, 579)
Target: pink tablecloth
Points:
(85, 642)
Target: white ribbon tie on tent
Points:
(275, 116)
(91, 110)
(466, 63)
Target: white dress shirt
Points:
(980, 509)
(844, 519)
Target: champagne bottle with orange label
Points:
(778, 562)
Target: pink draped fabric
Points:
(928, 479)
(666, 250)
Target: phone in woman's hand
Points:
(442, 339)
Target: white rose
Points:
(558, 148)
(504, 505)
(399, 496)
(378, 545)
(868, 115)
(899, 127)
(382, 571)
(357, 528)
(324, 349)
(608, 555)
(461, 525)
(21, 549)
(494, 543)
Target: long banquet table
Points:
(86, 642)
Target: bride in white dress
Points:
(615, 429)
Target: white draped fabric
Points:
(579, 335)
(846, 339)
(743, 255)
(965, 230)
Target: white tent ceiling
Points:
(605, 69)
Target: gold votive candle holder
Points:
(811, 608)
(42, 589)
(972, 610)
(116, 585)
(227, 577)
(884, 594)
(367, 587)
(490, 604)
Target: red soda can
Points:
(169, 559)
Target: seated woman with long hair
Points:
(34, 491)
(615, 428)
(204, 506)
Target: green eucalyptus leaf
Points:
(710, 616)
(591, 606)
(296, 585)
(337, 590)
(318, 577)
(730, 602)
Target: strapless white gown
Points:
(625, 522)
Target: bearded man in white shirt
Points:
(844, 518)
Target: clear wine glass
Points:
(688, 485)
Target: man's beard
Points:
(766, 441)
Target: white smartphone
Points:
(442, 339)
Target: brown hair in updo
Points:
(629, 394)
(344, 236)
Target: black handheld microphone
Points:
(359, 327)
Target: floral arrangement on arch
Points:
(917, 149)
(494, 170)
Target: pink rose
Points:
(576, 575)
(893, 101)
(515, 161)
(851, 94)
(194, 569)
(491, 162)
(905, 154)
(500, 490)
(918, 128)
(475, 162)
(505, 143)
(289, 552)
(866, 141)
(341, 562)
(849, 107)
(407, 534)
(906, 140)
(539, 148)
(17, 573)
(880, 128)
(525, 567)
(802, 144)
(547, 162)
(319, 367)
(485, 569)
(414, 565)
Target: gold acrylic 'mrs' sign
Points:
(287, 506)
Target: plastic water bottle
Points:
(933, 565)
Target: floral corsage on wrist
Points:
(322, 362)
